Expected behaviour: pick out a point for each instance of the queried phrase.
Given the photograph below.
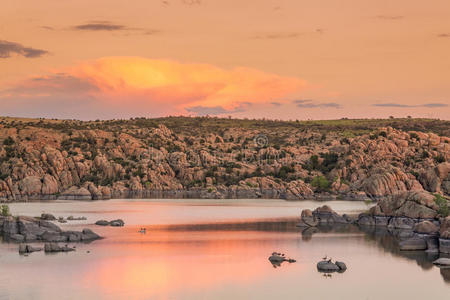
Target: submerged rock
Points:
(102, 223)
(54, 247)
(28, 249)
(277, 258)
(72, 218)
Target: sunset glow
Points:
(157, 58)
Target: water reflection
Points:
(385, 239)
(216, 252)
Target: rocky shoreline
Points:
(81, 194)
(411, 217)
(28, 229)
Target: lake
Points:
(215, 249)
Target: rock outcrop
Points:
(144, 158)
(28, 229)
(323, 215)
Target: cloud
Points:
(9, 48)
(392, 105)
(130, 86)
(307, 103)
(47, 27)
(400, 105)
(435, 105)
(444, 35)
(100, 26)
(111, 27)
(389, 17)
(275, 103)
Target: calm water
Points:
(215, 249)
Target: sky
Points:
(277, 59)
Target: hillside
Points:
(221, 158)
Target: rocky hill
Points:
(221, 158)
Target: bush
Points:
(442, 203)
(439, 159)
(5, 210)
(8, 141)
(320, 183)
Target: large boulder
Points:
(327, 266)
(307, 219)
(401, 223)
(48, 217)
(426, 227)
(75, 193)
(445, 228)
(411, 204)
(384, 183)
(117, 223)
(326, 216)
(102, 223)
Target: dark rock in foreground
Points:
(327, 266)
(28, 229)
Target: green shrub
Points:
(439, 159)
(442, 203)
(8, 141)
(5, 210)
(320, 183)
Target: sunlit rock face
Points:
(223, 158)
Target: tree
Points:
(320, 183)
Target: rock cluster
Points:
(28, 229)
(322, 216)
(54, 247)
(414, 217)
(327, 266)
(75, 160)
(23, 249)
(114, 223)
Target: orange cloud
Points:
(183, 85)
(118, 87)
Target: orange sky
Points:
(290, 59)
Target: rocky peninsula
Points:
(221, 158)
(413, 218)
